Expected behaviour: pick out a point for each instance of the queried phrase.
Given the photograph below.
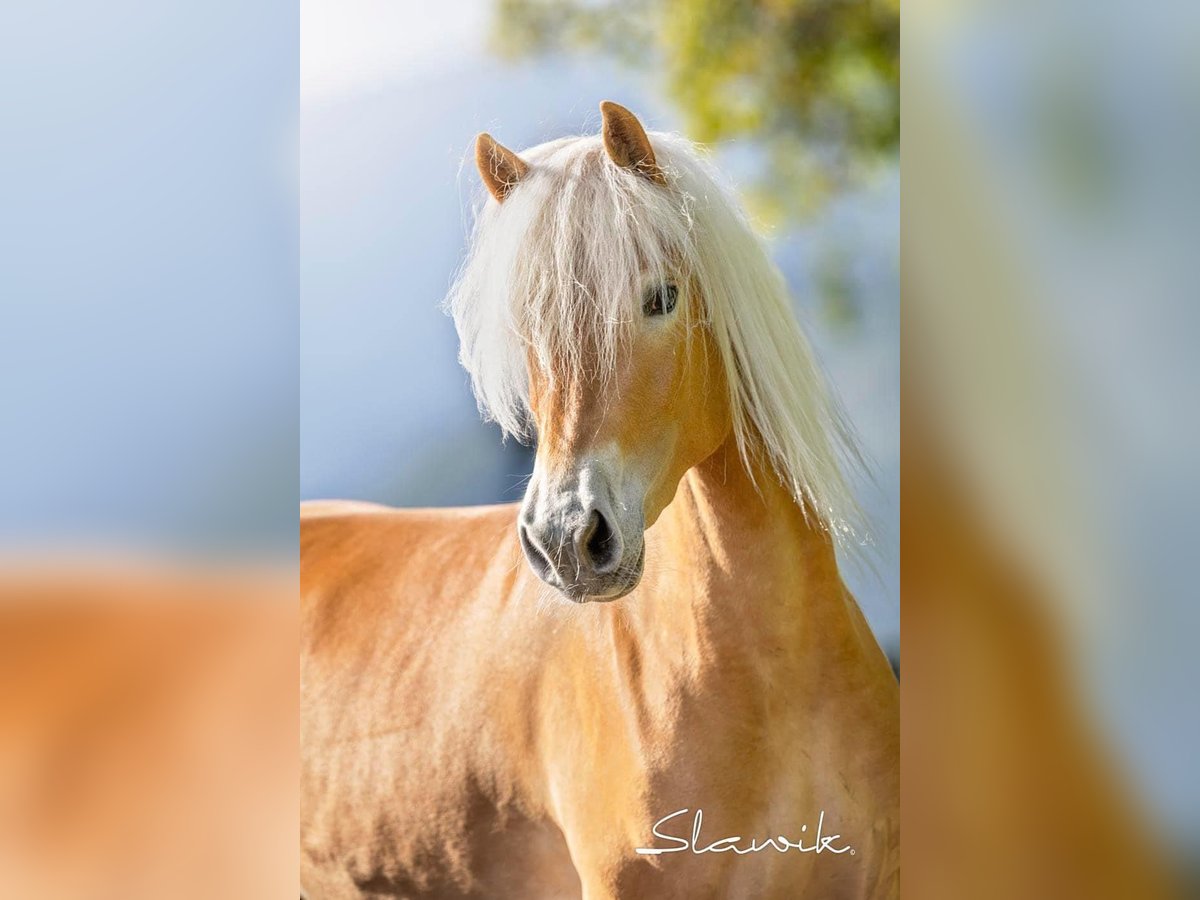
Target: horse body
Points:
(462, 739)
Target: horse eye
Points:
(660, 300)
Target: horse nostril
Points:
(538, 561)
(601, 544)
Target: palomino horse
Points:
(727, 729)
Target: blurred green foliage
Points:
(813, 84)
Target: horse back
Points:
(386, 586)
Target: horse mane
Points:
(567, 254)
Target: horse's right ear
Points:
(500, 168)
(627, 144)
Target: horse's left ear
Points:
(626, 142)
(499, 167)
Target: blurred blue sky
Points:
(389, 114)
(148, 275)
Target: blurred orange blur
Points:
(148, 733)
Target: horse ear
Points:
(626, 142)
(500, 167)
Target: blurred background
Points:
(1050, 229)
(148, 449)
(799, 102)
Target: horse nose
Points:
(597, 545)
(569, 556)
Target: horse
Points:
(648, 678)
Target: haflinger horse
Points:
(647, 679)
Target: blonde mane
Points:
(555, 273)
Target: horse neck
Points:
(741, 564)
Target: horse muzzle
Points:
(574, 542)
